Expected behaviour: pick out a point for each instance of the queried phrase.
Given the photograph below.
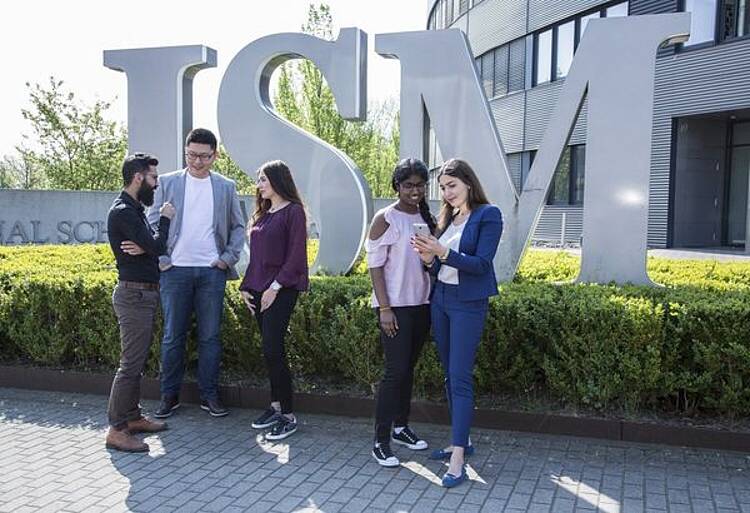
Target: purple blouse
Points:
(278, 251)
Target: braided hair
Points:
(407, 168)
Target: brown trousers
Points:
(135, 310)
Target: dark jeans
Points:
(273, 325)
(135, 310)
(401, 352)
(185, 290)
(457, 327)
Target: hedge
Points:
(682, 348)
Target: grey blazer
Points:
(229, 224)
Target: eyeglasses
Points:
(408, 186)
(190, 155)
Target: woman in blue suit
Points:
(461, 256)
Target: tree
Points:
(303, 98)
(229, 168)
(72, 145)
(18, 173)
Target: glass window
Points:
(517, 65)
(527, 160)
(585, 21)
(741, 133)
(559, 193)
(735, 18)
(738, 185)
(578, 167)
(617, 10)
(568, 181)
(565, 43)
(501, 71)
(703, 21)
(543, 58)
(488, 71)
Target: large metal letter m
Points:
(614, 67)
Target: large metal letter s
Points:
(336, 193)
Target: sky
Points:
(66, 40)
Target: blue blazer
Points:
(476, 251)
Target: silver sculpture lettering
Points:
(333, 187)
(614, 66)
(160, 97)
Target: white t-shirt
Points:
(451, 238)
(196, 243)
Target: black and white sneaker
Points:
(409, 438)
(282, 429)
(384, 456)
(267, 419)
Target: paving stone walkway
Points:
(52, 458)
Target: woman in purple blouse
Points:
(277, 273)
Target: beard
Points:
(146, 194)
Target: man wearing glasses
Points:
(136, 295)
(205, 242)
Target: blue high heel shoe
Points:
(449, 480)
(442, 454)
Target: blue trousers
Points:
(457, 329)
(185, 290)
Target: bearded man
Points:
(136, 296)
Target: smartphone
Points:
(421, 229)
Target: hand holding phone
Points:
(421, 229)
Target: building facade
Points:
(701, 132)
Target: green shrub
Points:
(683, 347)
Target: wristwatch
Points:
(276, 286)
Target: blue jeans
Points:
(457, 328)
(185, 290)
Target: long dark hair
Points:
(462, 170)
(407, 168)
(280, 177)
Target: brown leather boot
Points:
(146, 425)
(122, 440)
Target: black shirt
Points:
(127, 221)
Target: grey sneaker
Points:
(169, 403)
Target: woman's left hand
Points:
(267, 299)
(428, 244)
(248, 299)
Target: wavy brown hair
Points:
(460, 169)
(281, 180)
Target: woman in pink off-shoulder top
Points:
(401, 291)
